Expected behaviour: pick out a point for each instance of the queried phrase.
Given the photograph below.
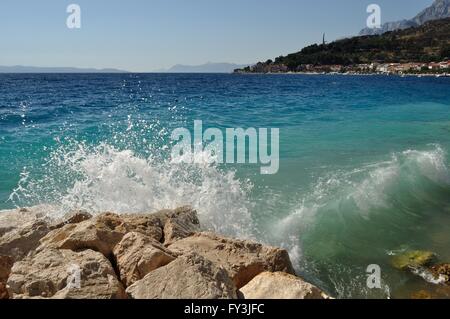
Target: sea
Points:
(363, 163)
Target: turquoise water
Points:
(364, 169)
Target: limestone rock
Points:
(6, 262)
(147, 224)
(101, 234)
(20, 241)
(243, 260)
(53, 273)
(280, 285)
(21, 217)
(412, 259)
(180, 223)
(73, 218)
(188, 277)
(137, 255)
(441, 271)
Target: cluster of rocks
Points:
(164, 255)
(423, 263)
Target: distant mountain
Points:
(34, 69)
(440, 9)
(204, 68)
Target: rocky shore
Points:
(164, 255)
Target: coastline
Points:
(346, 74)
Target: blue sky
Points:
(144, 35)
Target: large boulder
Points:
(102, 233)
(242, 259)
(188, 277)
(6, 262)
(22, 229)
(64, 274)
(20, 241)
(21, 217)
(280, 285)
(137, 254)
(180, 223)
(147, 224)
(72, 218)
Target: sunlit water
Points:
(364, 168)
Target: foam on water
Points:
(103, 178)
(429, 277)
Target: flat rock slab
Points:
(242, 259)
(280, 286)
(64, 274)
(20, 241)
(188, 277)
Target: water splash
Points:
(104, 178)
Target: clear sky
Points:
(144, 35)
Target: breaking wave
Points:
(362, 213)
(409, 176)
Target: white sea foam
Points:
(428, 276)
(104, 178)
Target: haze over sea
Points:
(364, 169)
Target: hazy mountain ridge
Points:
(34, 69)
(204, 68)
(440, 9)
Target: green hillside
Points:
(427, 43)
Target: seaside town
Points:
(437, 69)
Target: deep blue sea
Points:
(364, 161)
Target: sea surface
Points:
(364, 162)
